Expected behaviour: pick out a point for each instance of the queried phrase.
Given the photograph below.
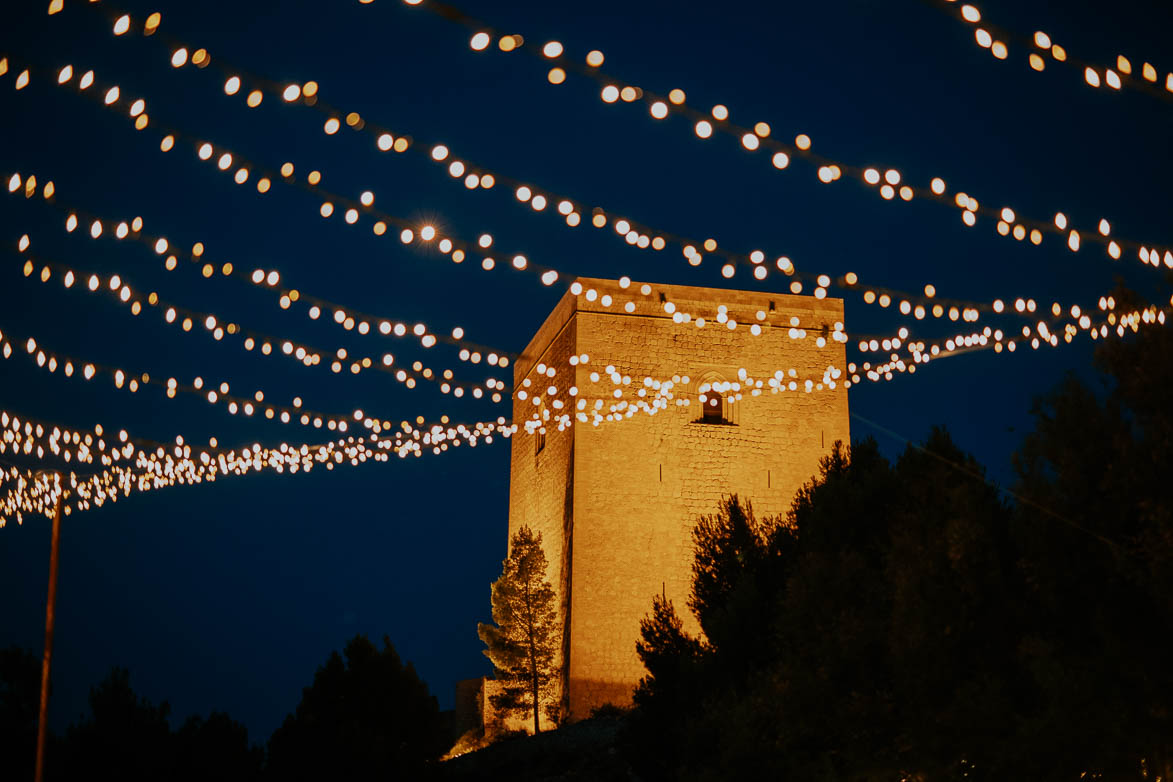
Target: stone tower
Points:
(615, 503)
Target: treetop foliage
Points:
(366, 715)
(904, 620)
(524, 639)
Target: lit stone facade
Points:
(615, 503)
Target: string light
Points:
(756, 258)
(38, 493)
(255, 341)
(892, 177)
(1042, 50)
(451, 247)
(215, 394)
(646, 290)
(829, 170)
(547, 276)
(621, 408)
(869, 296)
(345, 317)
(618, 407)
(36, 439)
(838, 334)
(615, 397)
(632, 232)
(132, 464)
(221, 395)
(828, 173)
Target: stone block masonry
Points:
(616, 503)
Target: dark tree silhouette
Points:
(125, 737)
(675, 664)
(904, 621)
(215, 748)
(523, 644)
(20, 692)
(859, 637)
(369, 716)
(1099, 559)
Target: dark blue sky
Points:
(228, 596)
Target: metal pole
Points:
(42, 720)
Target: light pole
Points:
(43, 718)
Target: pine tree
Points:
(523, 643)
(366, 715)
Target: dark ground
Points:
(586, 750)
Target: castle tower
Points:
(616, 502)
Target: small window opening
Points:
(716, 407)
(713, 410)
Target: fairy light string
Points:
(133, 463)
(634, 233)
(887, 182)
(549, 276)
(239, 82)
(1043, 50)
(411, 441)
(210, 392)
(869, 296)
(919, 351)
(217, 394)
(576, 288)
(1047, 331)
(36, 492)
(29, 438)
(408, 234)
(838, 334)
(268, 278)
(347, 318)
(252, 340)
(294, 93)
(426, 237)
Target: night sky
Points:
(227, 596)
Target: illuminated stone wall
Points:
(615, 504)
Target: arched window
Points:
(713, 408)
(714, 395)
